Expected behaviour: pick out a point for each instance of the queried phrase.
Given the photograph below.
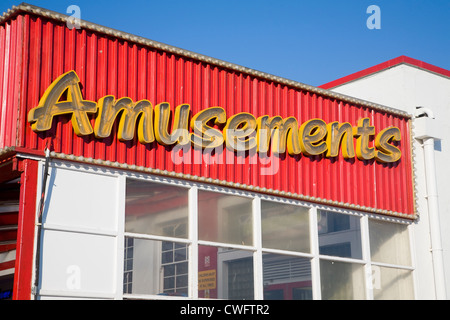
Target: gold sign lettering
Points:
(281, 131)
(340, 134)
(386, 152)
(205, 136)
(241, 132)
(312, 133)
(180, 124)
(109, 109)
(363, 132)
(238, 132)
(50, 106)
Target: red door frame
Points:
(25, 233)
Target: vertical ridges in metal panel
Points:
(101, 74)
(108, 66)
(91, 53)
(22, 99)
(18, 67)
(4, 79)
(80, 66)
(13, 89)
(33, 76)
(10, 73)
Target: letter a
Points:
(50, 106)
(374, 21)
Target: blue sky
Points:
(312, 42)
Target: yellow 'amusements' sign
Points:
(241, 132)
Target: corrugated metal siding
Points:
(11, 46)
(111, 66)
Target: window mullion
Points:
(193, 248)
(120, 239)
(369, 274)
(257, 255)
(315, 261)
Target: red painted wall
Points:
(40, 49)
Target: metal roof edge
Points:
(385, 66)
(31, 9)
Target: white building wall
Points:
(405, 87)
(79, 240)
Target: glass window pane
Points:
(392, 284)
(180, 254)
(182, 268)
(151, 271)
(224, 218)
(339, 235)
(182, 281)
(167, 245)
(225, 273)
(342, 280)
(389, 242)
(286, 277)
(169, 284)
(156, 209)
(167, 257)
(285, 226)
(169, 270)
(128, 265)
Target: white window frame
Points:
(193, 242)
(257, 250)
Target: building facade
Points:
(422, 90)
(131, 169)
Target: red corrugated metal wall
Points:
(11, 73)
(110, 66)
